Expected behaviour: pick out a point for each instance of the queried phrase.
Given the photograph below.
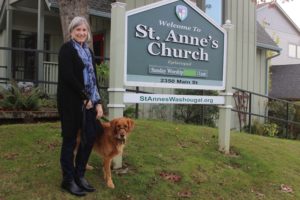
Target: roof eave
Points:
(262, 6)
(269, 47)
(288, 17)
(282, 11)
(99, 13)
(90, 11)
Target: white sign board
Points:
(172, 99)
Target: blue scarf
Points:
(88, 71)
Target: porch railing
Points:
(50, 75)
(24, 70)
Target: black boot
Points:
(72, 188)
(83, 184)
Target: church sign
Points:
(173, 44)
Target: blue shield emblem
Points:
(181, 12)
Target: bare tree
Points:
(68, 9)
(270, 1)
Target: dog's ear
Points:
(130, 123)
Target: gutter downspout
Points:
(267, 72)
(267, 79)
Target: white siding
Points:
(281, 30)
(242, 44)
(247, 72)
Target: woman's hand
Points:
(88, 105)
(99, 111)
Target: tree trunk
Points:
(68, 9)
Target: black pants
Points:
(69, 170)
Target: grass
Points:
(156, 151)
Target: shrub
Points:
(295, 128)
(257, 128)
(103, 73)
(266, 129)
(279, 110)
(270, 129)
(197, 114)
(103, 79)
(48, 104)
(160, 111)
(14, 98)
(129, 112)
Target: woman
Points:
(79, 104)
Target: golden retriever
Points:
(111, 143)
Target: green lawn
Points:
(155, 153)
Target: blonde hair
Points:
(77, 21)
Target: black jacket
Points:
(70, 89)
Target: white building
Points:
(283, 30)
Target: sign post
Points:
(116, 77)
(225, 111)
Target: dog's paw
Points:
(110, 184)
(89, 167)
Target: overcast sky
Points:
(292, 8)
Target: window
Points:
(294, 51)
(214, 9)
(98, 44)
(24, 62)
